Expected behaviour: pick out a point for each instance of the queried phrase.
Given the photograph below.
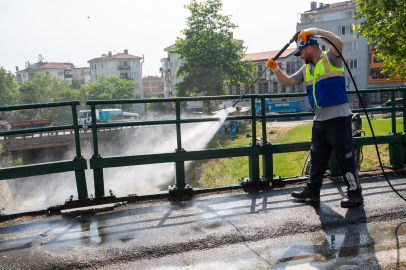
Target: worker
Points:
(323, 75)
(232, 133)
(220, 132)
(226, 126)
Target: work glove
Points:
(272, 65)
(307, 32)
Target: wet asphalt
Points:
(234, 229)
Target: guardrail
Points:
(396, 141)
(253, 151)
(78, 164)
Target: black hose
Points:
(366, 114)
(294, 38)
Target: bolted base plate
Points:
(246, 182)
(188, 190)
(393, 167)
(274, 179)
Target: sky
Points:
(79, 30)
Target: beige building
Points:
(63, 71)
(121, 65)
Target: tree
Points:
(8, 88)
(44, 88)
(107, 88)
(385, 25)
(210, 56)
(156, 108)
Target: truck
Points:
(104, 115)
(280, 107)
(85, 117)
(108, 115)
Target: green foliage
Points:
(385, 25)
(156, 107)
(110, 88)
(18, 162)
(210, 56)
(8, 88)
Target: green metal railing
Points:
(78, 164)
(396, 141)
(253, 151)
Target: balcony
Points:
(123, 67)
(78, 76)
(127, 78)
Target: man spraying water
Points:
(323, 75)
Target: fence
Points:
(396, 141)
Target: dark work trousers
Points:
(333, 134)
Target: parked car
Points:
(388, 103)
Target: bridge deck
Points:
(257, 229)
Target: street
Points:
(232, 229)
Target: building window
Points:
(373, 97)
(348, 80)
(101, 66)
(134, 63)
(275, 87)
(110, 64)
(350, 46)
(374, 74)
(134, 75)
(353, 63)
(283, 89)
(349, 14)
(293, 89)
(290, 68)
(60, 73)
(265, 87)
(137, 96)
(345, 30)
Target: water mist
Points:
(51, 189)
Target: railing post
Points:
(396, 150)
(80, 174)
(180, 184)
(267, 158)
(253, 161)
(97, 173)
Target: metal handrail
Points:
(78, 164)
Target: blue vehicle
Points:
(280, 107)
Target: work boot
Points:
(305, 193)
(352, 199)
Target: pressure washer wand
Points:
(294, 38)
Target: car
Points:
(388, 103)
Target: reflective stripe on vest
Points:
(327, 87)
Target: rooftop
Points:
(323, 7)
(50, 65)
(267, 55)
(115, 56)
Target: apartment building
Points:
(168, 70)
(121, 65)
(63, 71)
(152, 87)
(338, 18)
(377, 79)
